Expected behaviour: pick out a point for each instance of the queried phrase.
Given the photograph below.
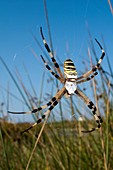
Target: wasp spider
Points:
(70, 81)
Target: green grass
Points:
(55, 149)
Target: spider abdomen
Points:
(70, 69)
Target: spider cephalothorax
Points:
(70, 81)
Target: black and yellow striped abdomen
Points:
(69, 68)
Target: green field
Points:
(61, 146)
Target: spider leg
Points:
(57, 98)
(42, 107)
(88, 78)
(93, 109)
(37, 109)
(43, 116)
(62, 80)
(94, 69)
(50, 53)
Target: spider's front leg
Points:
(37, 109)
(57, 98)
(93, 109)
(52, 103)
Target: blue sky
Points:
(69, 23)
